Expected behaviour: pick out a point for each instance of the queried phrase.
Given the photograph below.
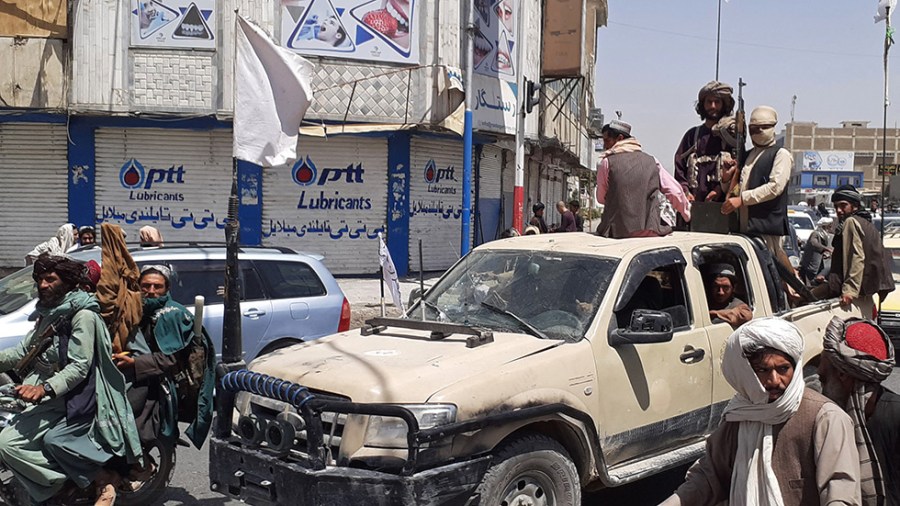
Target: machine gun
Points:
(39, 345)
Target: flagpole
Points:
(381, 275)
(718, 37)
(888, 40)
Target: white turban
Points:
(753, 480)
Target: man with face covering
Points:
(762, 201)
(780, 443)
(698, 158)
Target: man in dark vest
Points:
(859, 266)
(762, 202)
(779, 443)
(633, 186)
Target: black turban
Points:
(847, 193)
(69, 271)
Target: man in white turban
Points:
(780, 444)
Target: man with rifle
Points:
(699, 157)
(761, 196)
(80, 418)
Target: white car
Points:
(803, 224)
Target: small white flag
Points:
(882, 14)
(389, 272)
(272, 92)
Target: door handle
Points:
(254, 313)
(692, 355)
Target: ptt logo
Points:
(133, 176)
(305, 173)
(434, 175)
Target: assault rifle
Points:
(39, 345)
(740, 135)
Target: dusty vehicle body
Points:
(478, 406)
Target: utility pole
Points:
(519, 190)
(793, 106)
(466, 217)
(718, 37)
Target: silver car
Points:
(286, 297)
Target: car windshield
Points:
(545, 294)
(16, 290)
(802, 222)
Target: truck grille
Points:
(890, 322)
(269, 410)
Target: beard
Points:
(52, 296)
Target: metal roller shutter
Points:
(435, 202)
(489, 194)
(333, 202)
(175, 180)
(34, 193)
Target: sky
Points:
(655, 55)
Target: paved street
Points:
(191, 486)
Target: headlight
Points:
(390, 432)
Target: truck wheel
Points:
(531, 469)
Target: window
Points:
(712, 259)
(822, 180)
(288, 280)
(661, 289)
(207, 278)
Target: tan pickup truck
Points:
(534, 368)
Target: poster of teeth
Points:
(373, 30)
(495, 66)
(174, 24)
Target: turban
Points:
(162, 270)
(862, 350)
(716, 89)
(69, 271)
(763, 115)
(847, 193)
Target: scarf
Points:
(869, 372)
(753, 480)
(118, 291)
(629, 145)
(58, 245)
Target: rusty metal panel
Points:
(563, 40)
(35, 76)
(33, 18)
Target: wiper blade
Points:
(525, 325)
(432, 305)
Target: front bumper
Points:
(258, 478)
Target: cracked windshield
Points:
(547, 295)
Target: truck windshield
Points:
(544, 294)
(16, 290)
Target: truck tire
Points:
(530, 469)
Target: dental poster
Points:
(373, 30)
(173, 23)
(494, 81)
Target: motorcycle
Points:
(146, 490)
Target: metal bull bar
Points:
(311, 407)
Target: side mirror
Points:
(646, 327)
(414, 296)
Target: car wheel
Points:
(530, 469)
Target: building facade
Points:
(128, 121)
(827, 157)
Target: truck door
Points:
(658, 396)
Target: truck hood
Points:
(397, 365)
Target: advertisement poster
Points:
(174, 198)
(827, 160)
(176, 24)
(495, 65)
(372, 30)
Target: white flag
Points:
(271, 94)
(389, 272)
(881, 14)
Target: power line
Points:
(738, 43)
